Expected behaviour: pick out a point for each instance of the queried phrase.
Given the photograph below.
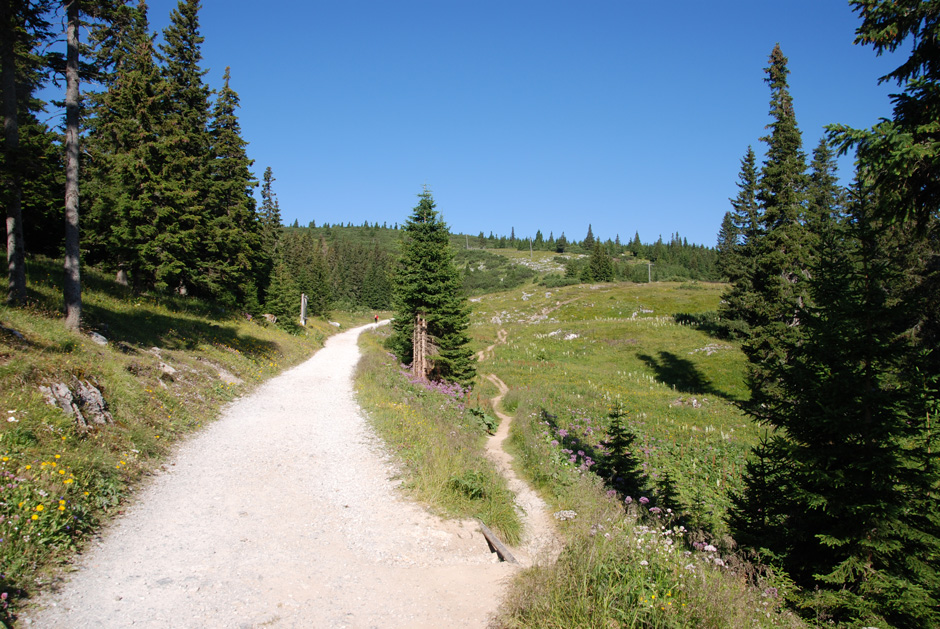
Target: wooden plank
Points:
(496, 546)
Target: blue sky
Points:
(525, 114)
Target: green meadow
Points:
(575, 353)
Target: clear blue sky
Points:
(528, 114)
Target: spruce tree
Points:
(269, 215)
(125, 152)
(600, 268)
(775, 286)
(840, 492)
(233, 232)
(428, 283)
(179, 218)
(588, 243)
(739, 232)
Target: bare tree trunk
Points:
(16, 287)
(419, 343)
(72, 289)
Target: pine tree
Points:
(233, 231)
(588, 243)
(179, 219)
(842, 496)
(125, 152)
(600, 268)
(428, 283)
(781, 253)
(728, 242)
(740, 230)
(269, 215)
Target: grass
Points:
(577, 355)
(169, 365)
(578, 351)
(436, 439)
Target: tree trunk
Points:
(16, 288)
(419, 362)
(72, 289)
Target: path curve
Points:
(541, 543)
(281, 514)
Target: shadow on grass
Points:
(144, 327)
(180, 322)
(683, 375)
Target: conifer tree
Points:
(840, 491)
(125, 152)
(599, 268)
(179, 219)
(588, 243)
(269, 215)
(233, 231)
(428, 283)
(739, 231)
(775, 286)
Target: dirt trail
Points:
(282, 514)
(540, 542)
(487, 353)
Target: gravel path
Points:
(281, 514)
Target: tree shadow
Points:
(182, 322)
(682, 374)
(144, 327)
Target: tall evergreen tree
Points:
(180, 222)
(125, 152)
(269, 215)
(841, 497)
(776, 283)
(588, 243)
(741, 231)
(429, 283)
(599, 268)
(233, 232)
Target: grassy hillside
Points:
(168, 366)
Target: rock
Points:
(93, 404)
(167, 369)
(334, 324)
(85, 400)
(97, 338)
(270, 317)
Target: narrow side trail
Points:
(282, 514)
(540, 541)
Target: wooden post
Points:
(419, 363)
(303, 309)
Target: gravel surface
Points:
(281, 514)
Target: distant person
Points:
(376, 319)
